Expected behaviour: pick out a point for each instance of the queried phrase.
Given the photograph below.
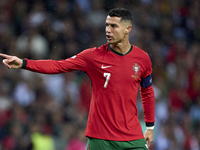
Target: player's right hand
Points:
(12, 62)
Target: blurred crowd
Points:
(49, 112)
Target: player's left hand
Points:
(148, 136)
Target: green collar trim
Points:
(118, 52)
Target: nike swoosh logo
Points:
(103, 67)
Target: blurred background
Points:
(49, 112)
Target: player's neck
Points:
(122, 48)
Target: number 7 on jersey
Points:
(107, 75)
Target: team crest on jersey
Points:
(136, 68)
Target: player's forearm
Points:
(148, 102)
(43, 66)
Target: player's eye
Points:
(113, 25)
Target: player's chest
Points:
(119, 69)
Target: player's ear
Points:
(128, 29)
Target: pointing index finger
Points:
(4, 55)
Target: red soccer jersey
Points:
(115, 80)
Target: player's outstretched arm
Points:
(12, 62)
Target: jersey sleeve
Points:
(147, 94)
(148, 103)
(148, 67)
(77, 62)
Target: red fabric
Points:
(148, 102)
(85, 95)
(115, 80)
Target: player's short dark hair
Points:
(121, 12)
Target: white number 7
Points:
(107, 75)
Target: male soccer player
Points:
(116, 69)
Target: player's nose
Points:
(108, 29)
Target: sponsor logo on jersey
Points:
(73, 57)
(104, 67)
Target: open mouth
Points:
(108, 37)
